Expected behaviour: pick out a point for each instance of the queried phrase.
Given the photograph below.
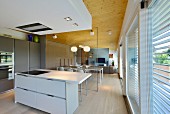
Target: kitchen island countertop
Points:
(70, 77)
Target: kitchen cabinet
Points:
(34, 55)
(26, 97)
(47, 86)
(51, 104)
(6, 44)
(21, 55)
(27, 55)
(49, 95)
(25, 82)
(6, 85)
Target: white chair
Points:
(61, 68)
(70, 70)
(80, 70)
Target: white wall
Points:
(13, 33)
(131, 11)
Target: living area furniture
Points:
(108, 69)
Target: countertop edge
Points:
(42, 77)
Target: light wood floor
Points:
(108, 100)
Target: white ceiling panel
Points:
(51, 13)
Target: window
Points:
(161, 56)
(132, 67)
(121, 62)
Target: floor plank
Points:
(108, 100)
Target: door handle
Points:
(25, 89)
(50, 95)
(22, 75)
(50, 79)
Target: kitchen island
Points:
(55, 92)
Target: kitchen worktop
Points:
(71, 77)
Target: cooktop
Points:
(35, 72)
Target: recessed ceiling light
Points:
(110, 32)
(91, 33)
(75, 24)
(68, 19)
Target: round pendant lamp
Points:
(73, 48)
(86, 48)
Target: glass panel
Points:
(5, 57)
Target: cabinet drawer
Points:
(25, 82)
(25, 97)
(51, 87)
(51, 104)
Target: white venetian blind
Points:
(133, 74)
(161, 56)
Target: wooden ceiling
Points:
(107, 15)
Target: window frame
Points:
(135, 18)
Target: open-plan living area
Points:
(85, 57)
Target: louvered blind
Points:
(161, 56)
(133, 75)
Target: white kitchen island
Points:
(55, 92)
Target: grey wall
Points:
(6, 44)
(99, 53)
(54, 54)
(58, 54)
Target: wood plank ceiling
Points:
(107, 15)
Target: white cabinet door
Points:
(25, 82)
(25, 97)
(51, 87)
(51, 104)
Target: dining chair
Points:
(80, 70)
(70, 70)
(61, 68)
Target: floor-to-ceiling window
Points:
(132, 66)
(148, 68)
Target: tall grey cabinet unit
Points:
(6, 44)
(34, 56)
(21, 55)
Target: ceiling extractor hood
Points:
(35, 27)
